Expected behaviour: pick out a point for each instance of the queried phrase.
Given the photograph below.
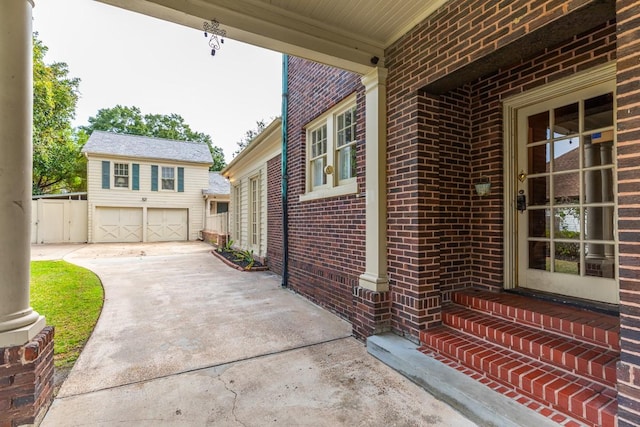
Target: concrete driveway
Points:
(184, 340)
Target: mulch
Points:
(229, 258)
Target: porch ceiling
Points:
(345, 34)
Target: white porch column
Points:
(593, 186)
(375, 275)
(18, 322)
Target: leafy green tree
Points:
(249, 135)
(130, 120)
(118, 119)
(57, 162)
(218, 158)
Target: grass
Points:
(568, 267)
(70, 297)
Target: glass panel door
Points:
(566, 241)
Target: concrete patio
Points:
(185, 340)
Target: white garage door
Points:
(165, 225)
(118, 225)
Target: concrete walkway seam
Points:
(203, 368)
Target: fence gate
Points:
(58, 221)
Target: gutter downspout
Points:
(285, 176)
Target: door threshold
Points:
(585, 304)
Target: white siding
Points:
(252, 163)
(242, 237)
(196, 178)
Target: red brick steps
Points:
(596, 328)
(594, 362)
(534, 349)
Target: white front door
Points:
(565, 180)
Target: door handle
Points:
(521, 201)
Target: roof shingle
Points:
(135, 146)
(218, 184)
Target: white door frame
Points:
(597, 75)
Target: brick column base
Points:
(214, 238)
(26, 380)
(371, 312)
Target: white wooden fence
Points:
(58, 221)
(218, 223)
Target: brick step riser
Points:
(569, 356)
(607, 339)
(523, 376)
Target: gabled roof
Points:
(135, 146)
(218, 184)
(262, 144)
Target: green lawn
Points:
(70, 297)
(569, 267)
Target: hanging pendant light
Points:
(213, 28)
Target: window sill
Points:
(325, 193)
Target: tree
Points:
(118, 119)
(249, 135)
(130, 120)
(57, 162)
(218, 158)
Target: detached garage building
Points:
(143, 189)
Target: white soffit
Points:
(342, 33)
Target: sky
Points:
(130, 59)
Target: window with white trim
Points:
(346, 144)
(168, 178)
(318, 156)
(331, 152)
(121, 175)
(237, 211)
(254, 211)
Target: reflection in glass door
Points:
(567, 232)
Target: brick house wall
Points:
(326, 236)
(274, 215)
(628, 133)
(447, 81)
(445, 132)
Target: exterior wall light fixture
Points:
(213, 27)
(483, 187)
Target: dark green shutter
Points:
(181, 180)
(136, 177)
(154, 178)
(105, 174)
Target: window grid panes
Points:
(255, 210)
(331, 149)
(346, 144)
(168, 178)
(237, 204)
(571, 189)
(318, 156)
(121, 175)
